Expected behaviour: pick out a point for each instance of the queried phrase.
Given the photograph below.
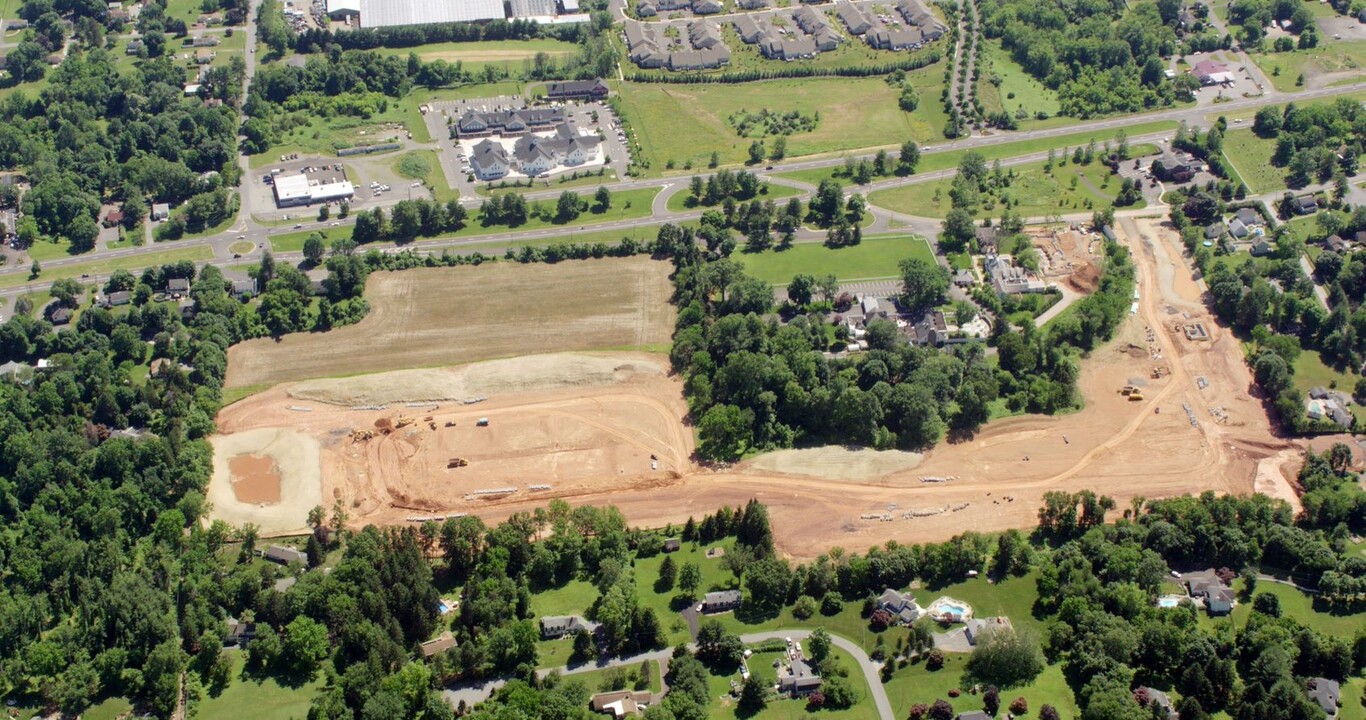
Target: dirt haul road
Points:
(593, 441)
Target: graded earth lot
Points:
(447, 316)
(609, 428)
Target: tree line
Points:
(796, 71)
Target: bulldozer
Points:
(361, 435)
(1128, 391)
(404, 422)
(1136, 396)
(458, 462)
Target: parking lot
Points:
(377, 185)
(595, 117)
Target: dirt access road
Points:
(605, 428)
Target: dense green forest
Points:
(1101, 57)
(754, 383)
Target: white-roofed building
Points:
(341, 9)
(569, 6)
(291, 190)
(528, 9)
(389, 13)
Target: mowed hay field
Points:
(688, 122)
(447, 316)
(489, 51)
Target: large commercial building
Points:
(388, 13)
(294, 190)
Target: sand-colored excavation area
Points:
(270, 476)
(585, 427)
(429, 317)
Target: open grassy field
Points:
(875, 257)
(267, 699)
(1251, 159)
(626, 205)
(1017, 88)
(1311, 372)
(414, 322)
(917, 684)
(1343, 58)
(1002, 151)
(43, 250)
(781, 708)
(425, 165)
(688, 122)
(1067, 189)
(509, 54)
(104, 267)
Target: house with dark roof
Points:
(1208, 587)
(59, 316)
(707, 7)
(646, 8)
(177, 286)
(535, 155)
(644, 46)
(1148, 697)
(672, 545)
(115, 299)
(508, 122)
(1327, 694)
(285, 555)
(1214, 230)
(1210, 72)
(490, 160)
(775, 47)
(1260, 248)
(443, 642)
(897, 38)
(1249, 217)
(243, 289)
(558, 626)
(239, 633)
(1237, 228)
(902, 606)
(914, 12)
(1304, 205)
(1010, 279)
(721, 601)
(800, 679)
(1337, 244)
(748, 28)
(704, 35)
(751, 4)
(854, 17)
(973, 715)
(594, 89)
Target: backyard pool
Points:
(947, 609)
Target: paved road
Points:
(871, 670)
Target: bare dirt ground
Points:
(591, 441)
(431, 317)
(1068, 256)
(295, 457)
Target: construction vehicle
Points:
(1136, 396)
(1128, 390)
(450, 423)
(404, 422)
(361, 435)
(457, 463)
(482, 422)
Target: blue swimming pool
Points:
(1168, 602)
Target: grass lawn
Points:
(474, 56)
(1029, 93)
(326, 135)
(1294, 604)
(1311, 371)
(42, 250)
(688, 122)
(782, 708)
(590, 181)
(916, 684)
(606, 680)
(103, 267)
(875, 257)
(294, 242)
(1002, 151)
(626, 205)
(464, 92)
(110, 709)
(678, 202)
(268, 700)
(1067, 189)
(425, 165)
(1251, 157)
(1332, 56)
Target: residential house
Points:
(748, 28)
(800, 679)
(239, 633)
(594, 89)
(751, 4)
(774, 47)
(558, 626)
(1327, 694)
(1173, 169)
(1207, 586)
(1009, 279)
(204, 57)
(620, 703)
(700, 59)
(646, 8)
(204, 41)
(902, 38)
(987, 239)
(285, 555)
(1210, 72)
(704, 35)
(1260, 248)
(645, 46)
(1238, 229)
(443, 642)
(854, 17)
(914, 12)
(901, 606)
(964, 278)
(508, 122)
(1214, 230)
(1187, 21)
(979, 627)
(490, 160)
(535, 155)
(177, 286)
(161, 211)
(1249, 217)
(1337, 245)
(1330, 405)
(721, 601)
(115, 299)
(673, 545)
(134, 47)
(59, 315)
(1304, 205)
(1148, 697)
(707, 7)
(243, 289)
(973, 715)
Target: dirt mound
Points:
(255, 479)
(1085, 279)
(524, 374)
(836, 463)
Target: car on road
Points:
(297, 226)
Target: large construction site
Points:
(1169, 410)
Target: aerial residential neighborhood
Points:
(664, 359)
